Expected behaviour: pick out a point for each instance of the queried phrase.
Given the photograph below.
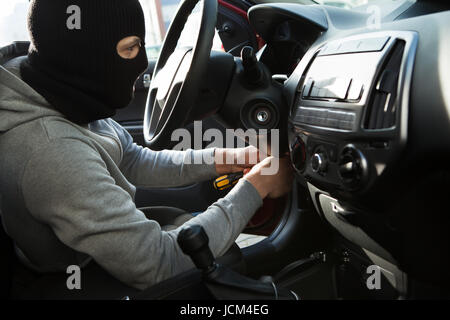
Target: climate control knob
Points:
(318, 162)
(353, 168)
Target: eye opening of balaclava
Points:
(129, 47)
(73, 60)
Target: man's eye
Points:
(129, 49)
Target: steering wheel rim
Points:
(177, 75)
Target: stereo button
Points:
(354, 93)
(345, 125)
(331, 48)
(318, 163)
(354, 46)
(353, 168)
(333, 123)
(307, 87)
(372, 44)
(333, 88)
(349, 46)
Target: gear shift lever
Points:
(223, 283)
(194, 242)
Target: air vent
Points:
(382, 108)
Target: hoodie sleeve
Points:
(67, 186)
(167, 168)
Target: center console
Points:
(348, 126)
(349, 118)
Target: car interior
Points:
(361, 99)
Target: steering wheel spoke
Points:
(178, 74)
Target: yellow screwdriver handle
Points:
(227, 181)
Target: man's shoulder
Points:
(33, 135)
(51, 135)
(46, 129)
(56, 128)
(45, 137)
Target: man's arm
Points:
(144, 167)
(80, 201)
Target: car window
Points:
(345, 4)
(158, 16)
(13, 21)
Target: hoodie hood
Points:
(19, 103)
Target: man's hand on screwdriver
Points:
(271, 185)
(236, 160)
(256, 170)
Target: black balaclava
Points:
(74, 64)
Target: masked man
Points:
(68, 173)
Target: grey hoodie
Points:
(68, 192)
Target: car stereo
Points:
(348, 120)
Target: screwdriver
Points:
(227, 181)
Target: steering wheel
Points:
(178, 74)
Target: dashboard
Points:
(368, 126)
(348, 121)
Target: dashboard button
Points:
(345, 125)
(353, 168)
(372, 44)
(330, 48)
(322, 121)
(315, 91)
(355, 91)
(307, 87)
(349, 46)
(333, 88)
(354, 46)
(333, 123)
(318, 163)
(338, 115)
(326, 117)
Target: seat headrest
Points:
(15, 49)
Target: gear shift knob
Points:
(193, 240)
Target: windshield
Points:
(345, 4)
